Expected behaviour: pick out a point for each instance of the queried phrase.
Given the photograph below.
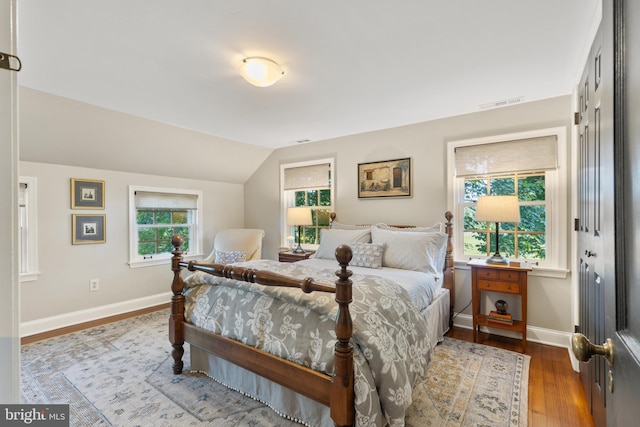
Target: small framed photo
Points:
(87, 194)
(88, 229)
(389, 178)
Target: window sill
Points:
(161, 261)
(29, 277)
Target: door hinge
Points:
(576, 118)
(576, 224)
(7, 64)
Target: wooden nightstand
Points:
(498, 278)
(289, 256)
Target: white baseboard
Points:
(39, 326)
(534, 334)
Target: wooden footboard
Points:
(334, 391)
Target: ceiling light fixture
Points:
(261, 72)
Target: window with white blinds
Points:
(28, 228)
(157, 214)
(520, 155)
(308, 184)
(531, 165)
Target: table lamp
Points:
(498, 209)
(299, 216)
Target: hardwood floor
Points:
(556, 396)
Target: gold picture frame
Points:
(88, 229)
(87, 193)
(388, 178)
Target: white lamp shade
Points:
(498, 209)
(261, 72)
(299, 216)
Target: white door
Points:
(9, 286)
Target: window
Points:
(28, 228)
(531, 165)
(156, 214)
(307, 184)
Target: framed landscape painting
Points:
(87, 194)
(389, 178)
(88, 229)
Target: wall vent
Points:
(502, 103)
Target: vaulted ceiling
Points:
(351, 66)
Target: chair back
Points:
(238, 239)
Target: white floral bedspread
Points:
(391, 350)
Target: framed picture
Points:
(389, 178)
(87, 194)
(88, 229)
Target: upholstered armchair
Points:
(236, 244)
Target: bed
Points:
(318, 345)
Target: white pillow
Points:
(229, 257)
(330, 239)
(367, 255)
(410, 250)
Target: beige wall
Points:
(549, 299)
(63, 285)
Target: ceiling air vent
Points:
(502, 103)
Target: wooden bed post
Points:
(342, 393)
(176, 330)
(449, 276)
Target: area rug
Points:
(120, 374)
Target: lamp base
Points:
(497, 259)
(299, 250)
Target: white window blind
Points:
(312, 176)
(23, 223)
(530, 154)
(152, 200)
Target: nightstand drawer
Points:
(485, 273)
(509, 276)
(507, 287)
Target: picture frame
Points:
(87, 194)
(388, 178)
(88, 228)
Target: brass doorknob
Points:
(583, 349)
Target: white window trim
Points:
(285, 203)
(32, 236)
(556, 181)
(135, 261)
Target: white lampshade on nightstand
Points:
(299, 216)
(498, 209)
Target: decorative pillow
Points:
(367, 255)
(229, 257)
(410, 250)
(330, 239)
(437, 227)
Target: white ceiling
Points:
(351, 66)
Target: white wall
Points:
(549, 299)
(63, 285)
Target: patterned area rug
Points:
(120, 375)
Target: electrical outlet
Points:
(94, 285)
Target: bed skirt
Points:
(285, 402)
